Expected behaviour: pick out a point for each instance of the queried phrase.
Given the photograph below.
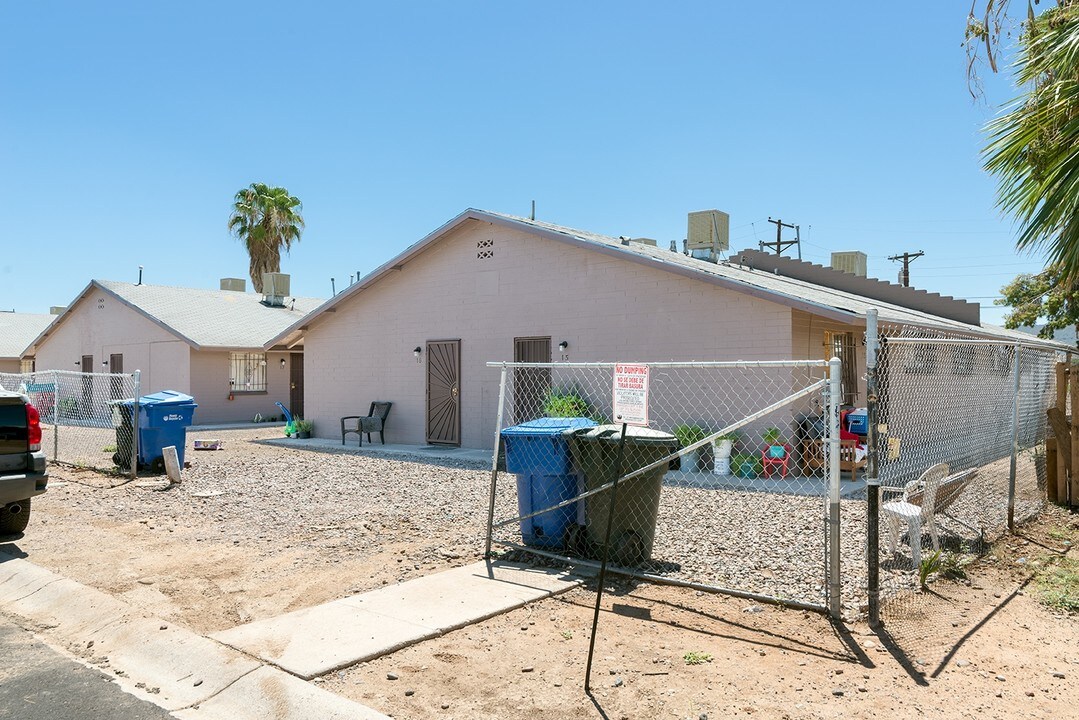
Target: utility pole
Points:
(904, 276)
(780, 244)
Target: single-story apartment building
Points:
(485, 286)
(210, 344)
(17, 333)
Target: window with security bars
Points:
(841, 345)
(247, 372)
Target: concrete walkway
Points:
(155, 660)
(435, 454)
(320, 639)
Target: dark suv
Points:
(22, 464)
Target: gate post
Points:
(872, 479)
(494, 461)
(55, 415)
(135, 426)
(834, 587)
(1015, 440)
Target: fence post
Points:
(834, 587)
(494, 462)
(872, 479)
(135, 425)
(55, 416)
(1015, 440)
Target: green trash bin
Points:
(594, 452)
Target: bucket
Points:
(722, 466)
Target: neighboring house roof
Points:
(1066, 335)
(218, 319)
(811, 297)
(18, 330)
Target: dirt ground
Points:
(216, 553)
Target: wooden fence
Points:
(1062, 450)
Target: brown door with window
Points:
(295, 384)
(530, 385)
(87, 408)
(444, 392)
(116, 365)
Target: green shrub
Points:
(689, 434)
(304, 426)
(565, 403)
(68, 407)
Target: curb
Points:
(157, 661)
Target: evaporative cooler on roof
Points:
(708, 234)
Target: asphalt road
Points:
(38, 683)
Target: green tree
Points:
(266, 219)
(1033, 146)
(1033, 296)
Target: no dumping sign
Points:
(631, 394)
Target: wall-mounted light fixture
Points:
(283, 363)
(104, 363)
(562, 346)
(417, 352)
(78, 363)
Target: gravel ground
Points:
(348, 504)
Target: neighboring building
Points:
(207, 343)
(17, 333)
(492, 287)
(1065, 335)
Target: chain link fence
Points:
(961, 428)
(81, 424)
(726, 490)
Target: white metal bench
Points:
(923, 498)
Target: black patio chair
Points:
(373, 421)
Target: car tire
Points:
(15, 522)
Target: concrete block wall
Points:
(607, 308)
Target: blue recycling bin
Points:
(537, 452)
(163, 420)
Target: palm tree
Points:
(1033, 147)
(265, 219)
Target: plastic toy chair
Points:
(768, 463)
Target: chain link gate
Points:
(81, 425)
(960, 426)
(730, 489)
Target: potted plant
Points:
(773, 438)
(724, 445)
(687, 435)
(304, 428)
(746, 465)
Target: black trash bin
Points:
(633, 529)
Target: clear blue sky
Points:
(127, 127)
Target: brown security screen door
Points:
(295, 385)
(116, 365)
(87, 387)
(530, 385)
(444, 392)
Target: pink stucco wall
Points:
(607, 309)
(10, 365)
(100, 325)
(210, 386)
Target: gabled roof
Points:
(811, 297)
(18, 330)
(205, 319)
